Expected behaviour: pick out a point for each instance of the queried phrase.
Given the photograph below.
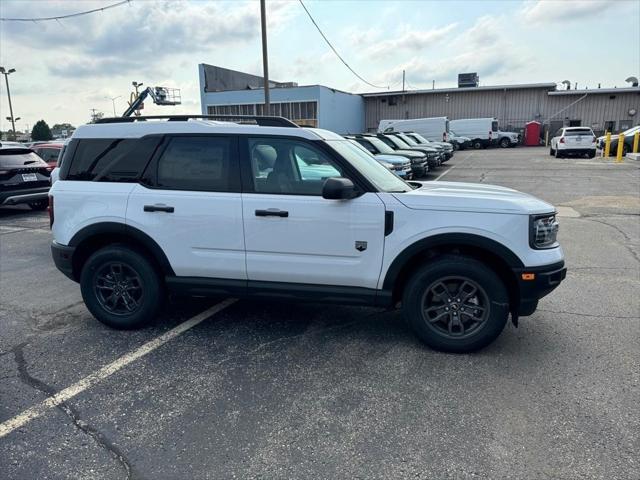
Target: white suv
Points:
(204, 207)
(573, 141)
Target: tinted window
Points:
(578, 131)
(198, 163)
(19, 157)
(494, 126)
(289, 167)
(48, 154)
(111, 160)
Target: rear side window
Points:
(199, 164)
(111, 160)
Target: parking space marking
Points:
(444, 173)
(108, 370)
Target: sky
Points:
(66, 68)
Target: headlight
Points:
(543, 231)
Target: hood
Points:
(472, 197)
(406, 153)
(394, 159)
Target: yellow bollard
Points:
(636, 142)
(607, 144)
(620, 147)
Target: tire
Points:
(558, 154)
(505, 143)
(456, 271)
(39, 205)
(625, 150)
(592, 154)
(113, 266)
(477, 144)
(552, 152)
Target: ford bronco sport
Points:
(195, 205)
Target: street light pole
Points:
(6, 78)
(265, 60)
(113, 102)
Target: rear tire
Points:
(39, 205)
(477, 144)
(558, 154)
(456, 304)
(552, 152)
(120, 287)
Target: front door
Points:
(191, 206)
(293, 234)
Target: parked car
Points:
(419, 161)
(147, 207)
(507, 139)
(24, 177)
(573, 141)
(613, 148)
(481, 131)
(459, 142)
(434, 154)
(399, 165)
(433, 129)
(445, 148)
(49, 152)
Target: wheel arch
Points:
(99, 235)
(498, 257)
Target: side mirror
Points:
(338, 188)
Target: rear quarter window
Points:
(111, 160)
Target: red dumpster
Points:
(532, 133)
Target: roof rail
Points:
(261, 120)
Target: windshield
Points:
(360, 146)
(408, 139)
(369, 167)
(398, 142)
(420, 137)
(379, 144)
(632, 130)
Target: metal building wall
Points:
(512, 107)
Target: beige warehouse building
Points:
(613, 109)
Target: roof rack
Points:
(261, 120)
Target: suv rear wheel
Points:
(456, 304)
(120, 287)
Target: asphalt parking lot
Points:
(272, 390)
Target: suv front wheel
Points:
(120, 287)
(456, 304)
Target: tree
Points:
(41, 131)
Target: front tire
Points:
(505, 143)
(456, 304)
(120, 287)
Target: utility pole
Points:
(265, 59)
(113, 102)
(6, 74)
(403, 80)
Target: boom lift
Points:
(159, 95)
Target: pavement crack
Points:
(70, 411)
(631, 317)
(628, 239)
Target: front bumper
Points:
(25, 195)
(542, 281)
(63, 259)
(419, 169)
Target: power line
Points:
(60, 17)
(335, 51)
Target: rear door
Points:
(189, 203)
(293, 234)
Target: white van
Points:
(481, 131)
(435, 129)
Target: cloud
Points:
(409, 41)
(542, 11)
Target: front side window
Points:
(494, 126)
(288, 166)
(198, 164)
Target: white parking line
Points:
(108, 370)
(444, 173)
